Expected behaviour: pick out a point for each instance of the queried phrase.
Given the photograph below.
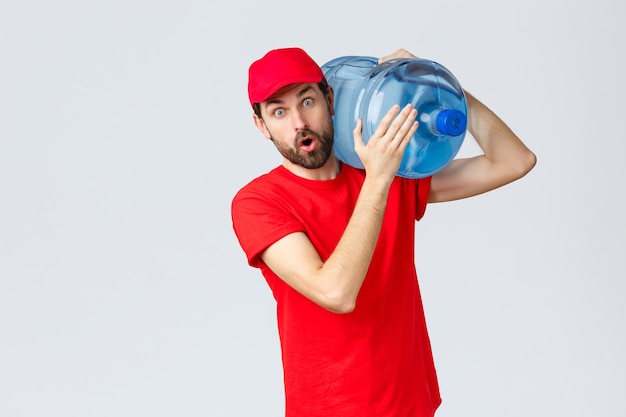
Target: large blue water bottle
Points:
(365, 89)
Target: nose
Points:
(299, 120)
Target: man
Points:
(335, 244)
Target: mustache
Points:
(304, 133)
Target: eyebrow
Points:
(304, 91)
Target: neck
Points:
(328, 171)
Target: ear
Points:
(260, 124)
(330, 99)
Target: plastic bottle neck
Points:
(451, 122)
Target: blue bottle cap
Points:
(451, 122)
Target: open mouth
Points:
(307, 141)
(308, 144)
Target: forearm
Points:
(342, 275)
(345, 270)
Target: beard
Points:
(310, 160)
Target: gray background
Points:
(125, 131)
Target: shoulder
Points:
(413, 184)
(260, 185)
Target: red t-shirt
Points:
(376, 360)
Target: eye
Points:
(307, 102)
(279, 112)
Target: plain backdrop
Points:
(125, 132)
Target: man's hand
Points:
(400, 53)
(383, 153)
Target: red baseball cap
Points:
(279, 68)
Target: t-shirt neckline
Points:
(339, 180)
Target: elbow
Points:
(523, 165)
(339, 304)
(344, 308)
(528, 163)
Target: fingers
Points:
(357, 133)
(405, 123)
(383, 153)
(398, 129)
(383, 126)
(400, 53)
(409, 128)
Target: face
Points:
(298, 121)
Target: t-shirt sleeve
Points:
(423, 190)
(258, 222)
